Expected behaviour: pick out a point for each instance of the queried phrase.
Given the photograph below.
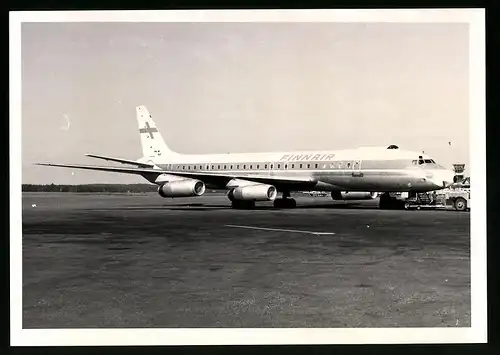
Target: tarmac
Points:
(119, 260)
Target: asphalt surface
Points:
(122, 260)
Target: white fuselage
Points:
(362, 169)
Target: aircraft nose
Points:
(443, 178)
(448, 177)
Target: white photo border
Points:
(477, 333)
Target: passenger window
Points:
(250, 167)
(293, 165)
(257, 166)
(184, 167)
(286, 166)
(265, 166)
(300, 166)
(244, 166)
(218, 166)
(231, 167)
(213, 166)
(224, 167)
(308, 166)
(272, 166)
(348, 165)
(316, 166)
(238, 166)
(279, 166)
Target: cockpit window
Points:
(423, 161)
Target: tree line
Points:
(117, 188)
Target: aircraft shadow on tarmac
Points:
(212, 207)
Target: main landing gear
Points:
(388, 202)
(285, 201)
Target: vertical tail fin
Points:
(153, 145)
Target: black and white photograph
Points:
(247, 177)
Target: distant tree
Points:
(91, 188)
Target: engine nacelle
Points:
(258, 192)
(354, 195)
(182, 188)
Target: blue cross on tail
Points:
(149, 130)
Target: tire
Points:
(291, 203)
(285, 203)
(460, 204)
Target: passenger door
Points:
(356, 168)
(270, 166)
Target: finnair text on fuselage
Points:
(314, 157)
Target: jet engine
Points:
(353, 195)
(182, 188)
(258, 192)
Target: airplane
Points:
(253, 177)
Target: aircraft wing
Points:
(119, 160)
(214, 178)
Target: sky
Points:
(239, 87)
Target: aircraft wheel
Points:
(387, 202)
(384, 202)
(285, 203)
(460, 204)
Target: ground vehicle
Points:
(458, 195)
(424, 200)
(460, 200)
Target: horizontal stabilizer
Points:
(115, 169)
(119, 160)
